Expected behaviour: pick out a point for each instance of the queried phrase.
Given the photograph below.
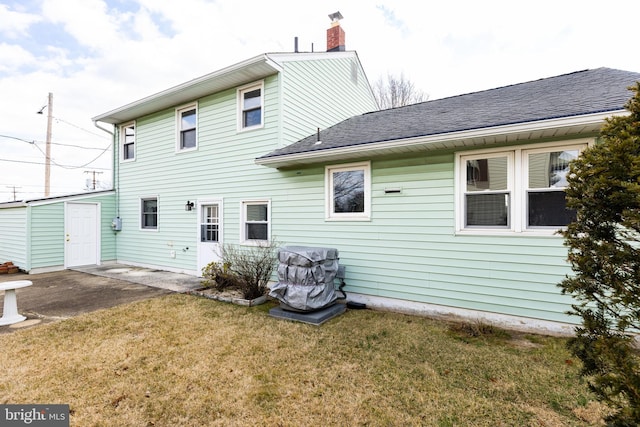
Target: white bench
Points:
(10, 311)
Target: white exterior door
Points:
(209, 232)
(82, 234)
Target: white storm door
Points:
(81, 234)
(209, 232)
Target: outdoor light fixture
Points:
(189, 206)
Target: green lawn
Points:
(183, 360)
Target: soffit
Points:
(250, 70)
(477, 138)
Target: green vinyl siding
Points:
(34, 234)
(48, 227)
(221, 167)
(47, 235)
(108, 211)
(13, 243)
(409, 249)
(295, 103)
(311, 92)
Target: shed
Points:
(55, 233)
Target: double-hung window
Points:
(149, 213)
(128, 142)
(546, 178)
(187, 131)
(488, 190)
(255, 221)
(348, 191)
(250, 107)
(516, 190)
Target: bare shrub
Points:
(247, 268)
(219, 276)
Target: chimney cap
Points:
(335, 17)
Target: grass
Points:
(190, 361)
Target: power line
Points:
(23, 185)
(74, 146)
(42, 163)
(73, 167)
(48, 157)
(79, 127)
(19, 139)
(52, 143)
(30, 188)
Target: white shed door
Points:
(81, 234)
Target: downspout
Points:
(113, 166)
(29, 258)
(114, 172)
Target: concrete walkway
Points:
(175, 282)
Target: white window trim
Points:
(140, 200)
(330, 215)
(122, 142)
(243, 219)
(511, 185)
(178, 120)
(517, 178)
(239, 101)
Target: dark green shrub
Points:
(604, 252)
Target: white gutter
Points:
(95, 123)
(428, 142)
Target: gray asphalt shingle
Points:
(575, 94)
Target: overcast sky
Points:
(97, 55)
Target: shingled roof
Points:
(581, 93)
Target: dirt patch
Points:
(233, 296)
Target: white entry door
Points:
(82, 234)
(209, 232)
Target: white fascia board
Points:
(254, 68)
(445, 138)
(68, 198)
(311, 56)
(10, 205)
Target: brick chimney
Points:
(335, 34)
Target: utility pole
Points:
(94, 177)
(14, 191)
(47, 164)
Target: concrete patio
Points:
(64, 294)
